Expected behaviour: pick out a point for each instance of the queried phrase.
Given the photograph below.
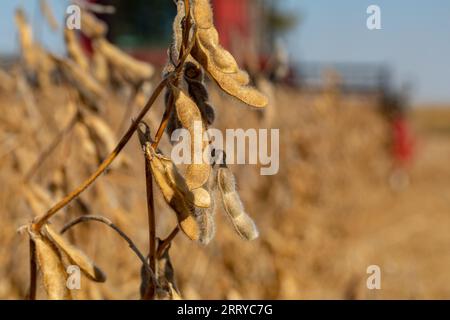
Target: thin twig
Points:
(151, 221)
(39, 221)
(166, 242)
(120, 232)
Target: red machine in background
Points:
(144, 28)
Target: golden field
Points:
(324, 218)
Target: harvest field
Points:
(328, 214)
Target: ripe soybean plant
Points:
(195, 51)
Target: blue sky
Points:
(414, 40)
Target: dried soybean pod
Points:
(246, 94)
(218, 62)
(228, 83)
(221, 58)
(167, 289)
(48, 15)
(74, 255)
(52, 269)
(203, 14)
(74, 49)
(100, 67)
(174, 50)
(101, 134)
(198, 197)
(91, 26)
(207, 215)
(209, 37)
(132, 69)
(175, 192)
(173, 123)
(91, 91)
(196, 91)
(189, 115)
(201, 198)
(232, 204)
(194, 77)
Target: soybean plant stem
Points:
(33, 271)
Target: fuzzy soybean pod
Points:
(174, 49)
(218, 62)
(230, 83)
(183, 201)
(101, 135)
(194, 76)
(132, 70)
(207, 215)
(173, 123)
(52, 269)
(197, 172)
(166, 279)
(232, 204)
(75, 50)
(91, 26)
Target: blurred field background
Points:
(329, 213)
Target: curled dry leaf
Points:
(232, 204)
(52, 269)
(218, 62)
(189, 115)
(74, 255)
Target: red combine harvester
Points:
(144, 28)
